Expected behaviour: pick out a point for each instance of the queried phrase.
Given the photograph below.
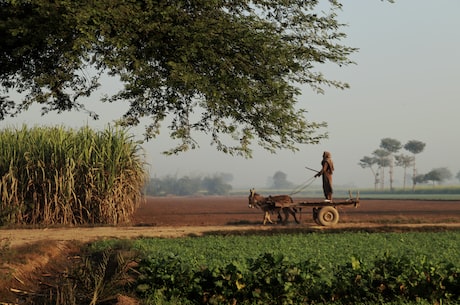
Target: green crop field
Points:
(339, 248)
(313, 268)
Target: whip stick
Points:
(316, 171)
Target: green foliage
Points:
(173, 276)
(395, 278)
(212, 66)
(53, 175)
(272, 279)
(341, 269)
(426, 192)
(324, 249)
(346, 268)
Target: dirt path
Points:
(21, 237)
(184, 216)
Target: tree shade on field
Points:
(53, 175)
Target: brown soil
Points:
(30, 254)
(182, 216)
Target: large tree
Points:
(230, 69)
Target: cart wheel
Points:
(315, 216)
(328, 216)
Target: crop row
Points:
(323, 248)
(271, 279)
(315, 268)
(347, 268)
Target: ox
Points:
(268, 205)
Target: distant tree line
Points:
(279, 181)
(388, 156)
(217, 184)
(435, 175)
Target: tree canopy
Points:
(435, 175)
(415, 146)
(230, 69)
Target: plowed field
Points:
(181, 216)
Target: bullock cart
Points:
(325, 213)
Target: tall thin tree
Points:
(392, 146)
(415, 147)
(369, 162)
(404, 161)
(383, 161)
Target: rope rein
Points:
(303, 186)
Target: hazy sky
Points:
(406, 86)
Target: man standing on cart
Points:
(326, 171)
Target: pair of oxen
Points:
(273, 204)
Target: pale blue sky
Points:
(405, 86)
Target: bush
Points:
(273, 279)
